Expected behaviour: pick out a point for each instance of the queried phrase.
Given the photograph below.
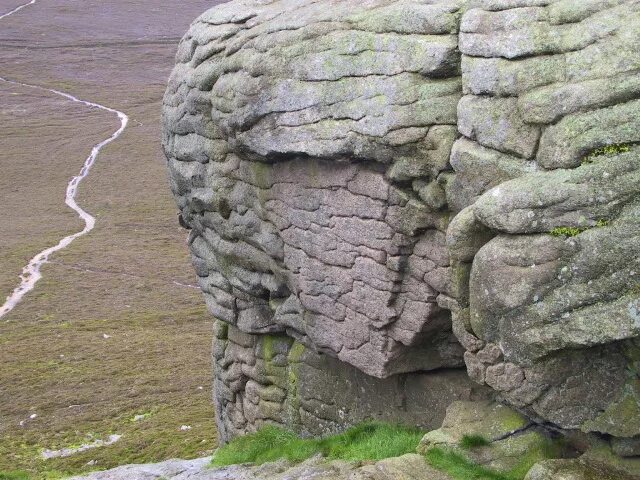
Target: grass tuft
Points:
(371, 441)
(368, 441)
(460, 468)
(573, 231)
(473, 441)
(268, 444)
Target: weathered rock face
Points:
(272, 378)
(374, 184)
(305, 127)
(552, 323)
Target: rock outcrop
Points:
(380, 193)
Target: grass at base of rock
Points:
(460, 468)
(472, 441)
(369, 441)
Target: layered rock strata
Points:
(380, 193)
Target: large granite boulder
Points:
(382, 192)
(306, 145)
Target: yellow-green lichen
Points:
(607, 150)
(621, 418)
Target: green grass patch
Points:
(368, 441)
(460, 468)
(473, 441)
(607, 150)
(14, 476)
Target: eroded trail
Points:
(31, 273)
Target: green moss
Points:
(473, 441)
(262, 174)
(510, 420)
(607, 150)
(456, 465)
(369, 441)
(293, 381)
(295, 354)
(573, 231)
(267, 347)
(623, 415)
(545, 449)
(225, 263)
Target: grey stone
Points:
(574, 470)
(301, 221)
(496, 123)
(626, 447)
(560, 307)
(315, 394)
(567, 143)
(407, 467)
(478, 169)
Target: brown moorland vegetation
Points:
(113, 332)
